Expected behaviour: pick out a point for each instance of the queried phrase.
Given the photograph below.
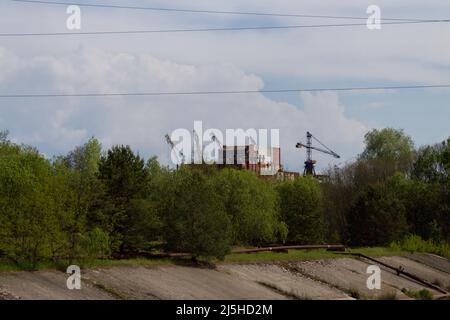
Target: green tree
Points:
(378, 215)
(144, 225)
(251, 203)
(389, 149)
(4, 136)
(194, 216)
(430, 192)
(338, 192)
(425, 209)
(125, 178)
(432, 163)
(29, 220)
(301, 206)
(78, 174)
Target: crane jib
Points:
(310, 163)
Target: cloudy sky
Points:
(409, 54)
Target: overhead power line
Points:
(207, 29)
(186, 93)
(181, 10)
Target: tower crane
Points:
(219, 143)
(215, 139)
(180, 155)
(310, 163)
(197, 147)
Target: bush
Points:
(423, 294)
(414, 243)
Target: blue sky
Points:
(339, 57)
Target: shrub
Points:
(414, 243)
(423, 294)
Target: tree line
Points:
(91, 204)
(390, 191)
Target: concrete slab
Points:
(431, 260)
(442, 279)
(281, 278)
(179, 282)
(320, 279)
(350, 275)
(46, 285)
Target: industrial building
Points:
(266, 162)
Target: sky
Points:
(410, 54)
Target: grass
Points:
(355, 294)
(387, 296)
(290, 294)
(423, 294)
(97, 263)
(6, 266)
(113, 292)
(141, 262)
(413, 243)
(300, 255)
(292, 255)
(261, 257)
(376, 252)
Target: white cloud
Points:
(407, 54)
(59, 124)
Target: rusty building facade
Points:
(265, 162)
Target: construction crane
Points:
(310, 163)
(215, 139)
(219, 143)
(197, 147)
(180, 155)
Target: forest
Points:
(109, 204)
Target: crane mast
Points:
(179, 154)
(310, 163)
(197, 150)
